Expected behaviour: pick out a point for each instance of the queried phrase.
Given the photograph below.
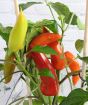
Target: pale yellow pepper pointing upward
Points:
(18, 34)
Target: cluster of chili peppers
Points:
(50, 86)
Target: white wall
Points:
(7, 17)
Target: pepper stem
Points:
(50, 100)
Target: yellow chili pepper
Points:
(18, 34)
(9, 67)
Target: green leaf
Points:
(34, 89)
(35, 29)
(85, 59)
(44, 49)
(51, 25)
(5, 49)
(61, 17)
(5, 32)
(79, 45)
(24, 6)
(74, 19)
(1, 66)
(76, 97)
(26, 102)
(87, 80)
(32, 33)
(81, 26)
(46, 72)
(30, 24)
(60, 8)
(60, 98)
(20, 101)
(37, 102)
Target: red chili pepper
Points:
(44, 39)
(58, 61)
(69, 56)
(49, 85)
(73, 65)
(75, 79)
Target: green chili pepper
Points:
(9, 67)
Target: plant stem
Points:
(18, 57)
(68, 75)
(63, 24)
(9, 75)
(54, 100)
(52, 13)
(25, 71)
(50, 10)
(50, 100)
(69, 22)
(69, 79)
(21, 66)
(41, 96)
(28, 90)
(2, 60)
(62, 36)
(13, 89)
(21, 98)
(63, 31)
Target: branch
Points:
(9, 75)
(22, 98)
(69, 21)
(13, 89)
(68, 75)
(3, 60)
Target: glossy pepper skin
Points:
(69, 56)
(9, 67)
(49, 85)
(73, 65)
(58, 61)
(44, 39)
(18, 34)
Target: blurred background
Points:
(35, 13)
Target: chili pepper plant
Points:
(37, 50)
